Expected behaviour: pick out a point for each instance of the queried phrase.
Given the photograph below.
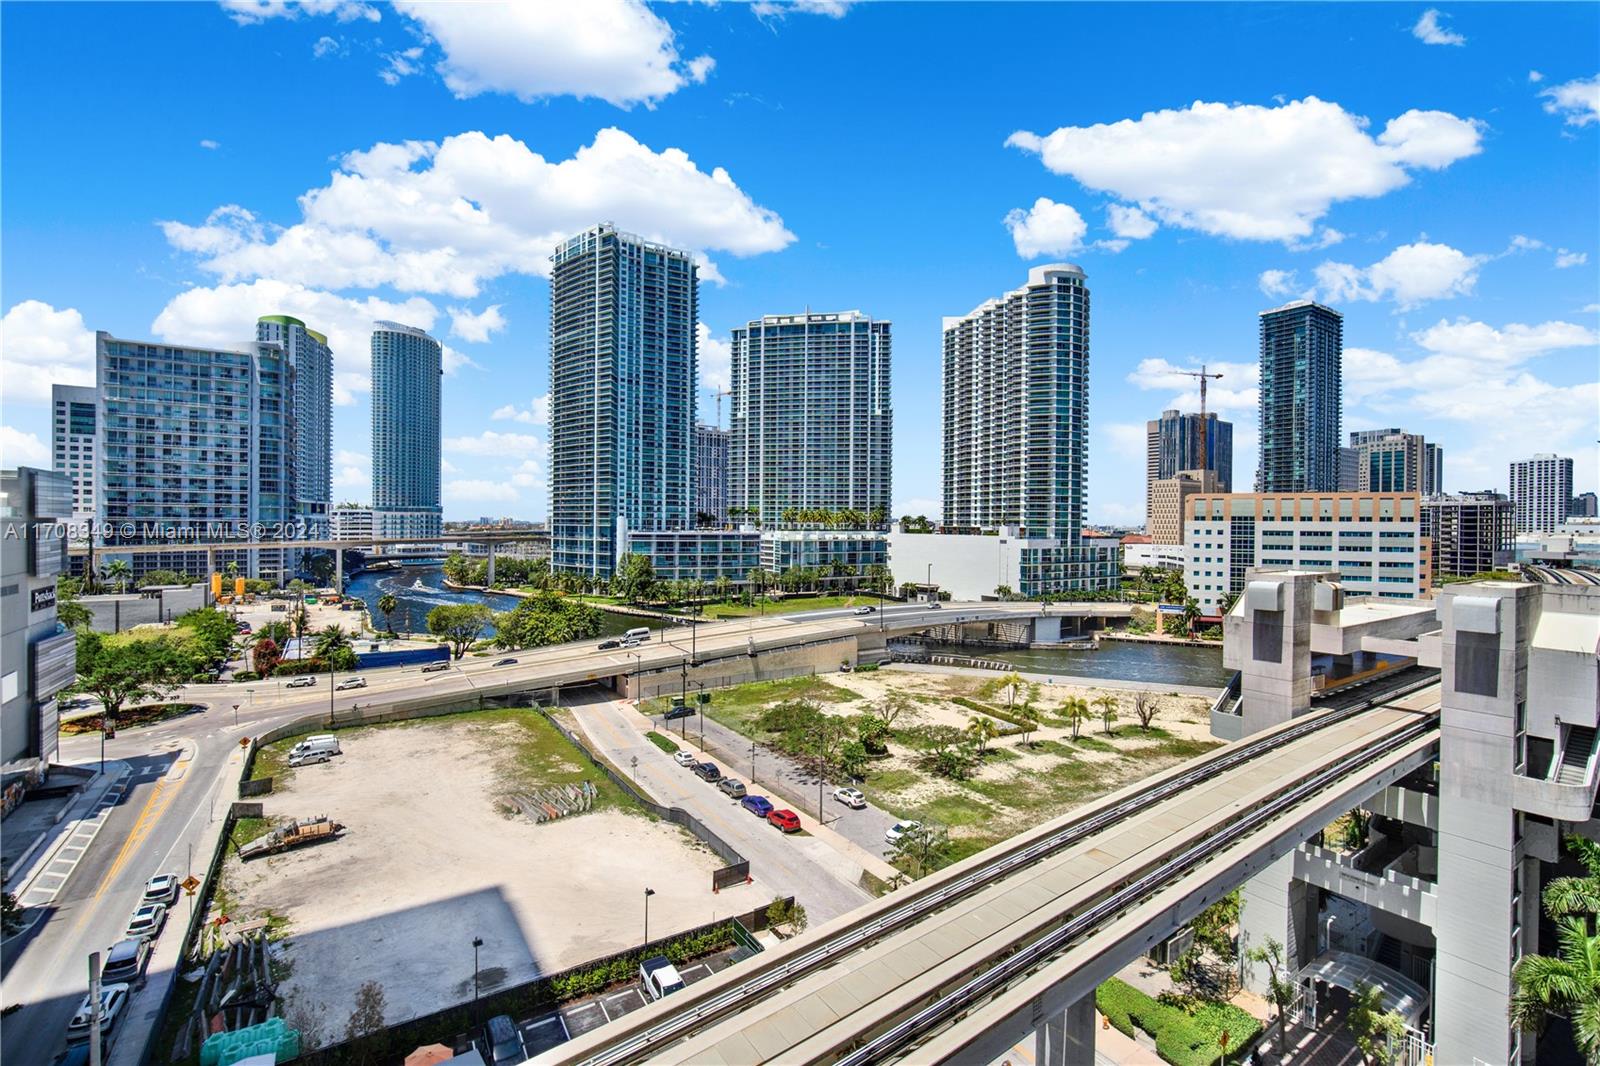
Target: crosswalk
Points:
(49, 881)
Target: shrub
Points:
(1182, 1038)
(246, 675)
(294, 667)
(661, 742)
(1017, 724)
(867, 668)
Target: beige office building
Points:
(1165, 524)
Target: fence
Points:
(390, 1046)
(738, 869)
(901, 656)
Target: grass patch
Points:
(1182, 1038)
(739, 706)
(247, 829)
(1088, 743)
(661, 742)
(132, 717)
(892, 780)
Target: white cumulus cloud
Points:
(245, 12)
(446, 217)
(1247, 171)
(1565, 258)
(495, 444)
(536, 413)
(1429, 31)
(18, 448)
(41, 346)
(1237, 392)
(476, 326)
(1129, 222)
(1046, 228)
(1578, 101)
(715, 359)
(1412, 274)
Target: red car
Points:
(784, 819)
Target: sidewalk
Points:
(44, 866)
(149, 1002)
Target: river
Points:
(419, 589)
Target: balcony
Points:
(1567, 790)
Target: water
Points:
(419, 589)
(1169, 664)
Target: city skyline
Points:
(1472, 326)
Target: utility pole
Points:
(94, 1009)
(1205, 429)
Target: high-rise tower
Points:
(622, 378)
(312, 360)
(811, 418)
(406, 371)
(1301, 351)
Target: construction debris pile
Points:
(293, 835)
(548, 804)
(234, 1007)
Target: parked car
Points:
(683, 758)
(734, 789)
(351, 682)
(660, 977)
(784, 819)
(113, 1001)
(610, 645)
(434, 668)
(125, 961)
(866, 610)
(759, 806)
(148, 920)
(162, 888)
(303, 681)
(505, 662)
(898, 830)
(318, 747)
(504, 1040)
(850, 797)
(681, 710)
(708, 771)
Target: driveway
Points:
(781, 864)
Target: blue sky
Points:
(184, 168)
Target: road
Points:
(183, 769)
(782, 864)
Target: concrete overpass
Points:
(961, 965)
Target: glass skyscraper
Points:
(1016, 408)
(1302, 346)
(710, 475)
(406, 368)
(196, 444)
(622, 404)
(811, 421)
(312, 360)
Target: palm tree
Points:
(1567, 983)
(1108, 709)
(1012, 682)
(982, 731)
(1567, 897)
(119, 573)
(1028, 719)
(329, 641)
(387, 604)
(1076, 712)
(1191, 613)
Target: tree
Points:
(277, 632)
(69, 611)
(1028, 719)
(635, 577)
(119, 573)
(10, 913)
(1214, 926)
(786, 912)
(1076, 711)
(321, 567)
(459, 624)
(873, 733)
(1376, 1030)
(265, 656)
(367, 1018)
(982, 729)
(1108, 709)
(1004, 592)
(387, 605)
(1576, 896)
(1567, 983)
(1145, 708)
(1281, 988)
(1012, 683)
(546, 619)
(457, 570)
(119, 670)
(1191, 613)
(211, 634)
(920, 850)
(946, 750)
(334, 648)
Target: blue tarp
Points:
(408, 657)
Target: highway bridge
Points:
(960, 966)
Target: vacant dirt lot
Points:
(429, 860)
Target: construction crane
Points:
(719, 394)
(1205, 430)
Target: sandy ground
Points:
(428, 862)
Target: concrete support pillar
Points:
(1277, 907)
(1268, 640)
(489, 579)
(1068, 1038)
(338, 569)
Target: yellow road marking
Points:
(161, 798)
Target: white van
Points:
(314, 749)
(637, 635)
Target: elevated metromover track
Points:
(962, 964)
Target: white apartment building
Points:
(72, 434)
(353, 523)
(1541, 489)
(1373, 540)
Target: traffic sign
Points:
(190, 883)
(244, 742)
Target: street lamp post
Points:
(477, 942)
(648, 892)
(752, 762)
